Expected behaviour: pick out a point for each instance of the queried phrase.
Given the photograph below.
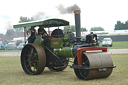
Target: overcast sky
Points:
(94, 13)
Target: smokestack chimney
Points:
(77, 23)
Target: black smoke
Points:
(67, 10)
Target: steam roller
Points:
(55, 49)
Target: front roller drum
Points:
(94, 65)
(33, 59)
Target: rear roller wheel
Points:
(33, 59)
(57, 68)
(60, 68)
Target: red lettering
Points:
(55, 43)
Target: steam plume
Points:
(39, 16)
(67, 10)
(8, 25)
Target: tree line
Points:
(118, 26)
(121, 26)
(72, 27)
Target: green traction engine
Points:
(55, 49)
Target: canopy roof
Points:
(45, 23)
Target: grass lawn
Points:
(118, 45)
(11, 73)
(10, 50)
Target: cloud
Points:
(102, 13)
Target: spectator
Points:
(32, 33)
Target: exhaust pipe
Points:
(77, 23)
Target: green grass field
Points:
(118, 45)
(10, 50)
(11, 73)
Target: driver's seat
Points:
(57, 33)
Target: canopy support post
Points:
(25, 31)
